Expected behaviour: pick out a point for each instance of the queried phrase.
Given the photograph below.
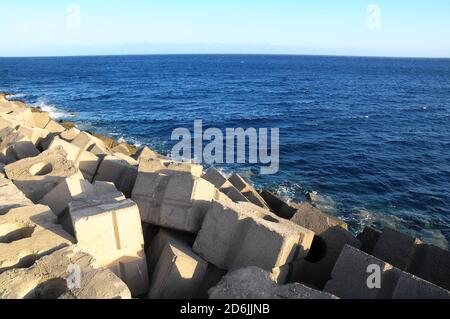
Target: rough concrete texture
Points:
(177, 201)
(84, 160)
(256, 283)
(411, 255)
(167, 167)
(41, 119)
(15, 146)
(122, 149)
(36, 176)
(22, 115)
(8, 121)
(351, 275)
(247, 190)
(118, 171)
(34, 134)
(145, 153)
(54, 127)
(70, 134)
(10, 196)
(278, 206)
(240, 235)
(111, 231)
(314, 219)
(216, 178)
(87, 142)
(178, 274)
(27, 234)
(56, 277)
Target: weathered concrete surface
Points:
(36, 176)
(247, 190)
(111, 231)
(351, 276)
(249, 236)
(278, 206)
(411, 255)
(172, 198)
(256, 283)
(15, 146)
(10, 196)
(118, 171)
(369, 238)
(145, 153)
(35, 135)
(122, 149)
(84, 160)
(222, 184)
(178, 274)
(41, 119)
(90, 143)
(70, 134)
(56, 276)
(167, 167)
(314, 219)
(27, 234)
(54, 127)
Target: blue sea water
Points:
(370, 135)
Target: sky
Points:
(323, 27)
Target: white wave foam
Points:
(16, 96)
(54, 112)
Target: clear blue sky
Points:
(50, 27)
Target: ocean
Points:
(370, 135)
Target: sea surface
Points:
(370, 135)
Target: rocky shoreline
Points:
(85, 217)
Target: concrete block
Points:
(314, 219)
(241, 235)
(350, 280)
(130, 160)
(54, 127)
(87, 142)
(27, 234)
(121, 148)
(36, 176)
(247, 190)
(216, 178)
(145, 153)
(54, 277)
(177, 201)
(278, 206)
(70, 134)
(179, 274)
(84, 160)
(23, 115)
(41, 119)
(118, 171)
(369, 238)
(167, 167)
(10, 196)
(35, 135)
(15, 146)
(256, 283)
(111, 232)
(8, 121)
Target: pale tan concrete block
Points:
(27, 234)
(179, 274)
(250, 236)
(41, 119)
(36, 176)
(86, 141)
(54, 127)
(130, 160)
(118, 171)
(247, 190)
(8, 121)
(15, 146)
(122, 149)
(111, 231)
(145, 153)
(70, 134)
(87, 162)
(58, 275)
(34, 134)
(216, 178)
(23, 115)
(167, 167)
(10, 196)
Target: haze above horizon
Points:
(298, 27)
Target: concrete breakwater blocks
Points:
(256, 283)
(145, 153)
(411, 255)
(34, 134)
(178, 274)
(15, 146)
(36, 176)
(222, 184)
(67, 273)
(119, 171)
(247, 190)
(171, 196)
(278, 206)
(70, 134)
(313, 218)
(240, 235)
(351, 278)
(29, 233)
(111, 232)
(10, 196)
(87, 142)
(84, 160)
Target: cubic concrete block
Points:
(167, 167)
(84, 160)
(177, 201)
(67, 273)
(86, 141)
(369, 238)
(23, 115)
(54, 127)
(178, 274)
(247, 190)
(27, 234)
(118, 171)
(314, 219)
(35, 135)
(278, 206)
(256, 283)
(8, 121)
(36, 176)
(241, 235)
(10, 196)
(351, 275)
(15, 146)
(111, 232)
(121, 148)
(145, 153)
(41, 119)
(70, 134)
(216, 178)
